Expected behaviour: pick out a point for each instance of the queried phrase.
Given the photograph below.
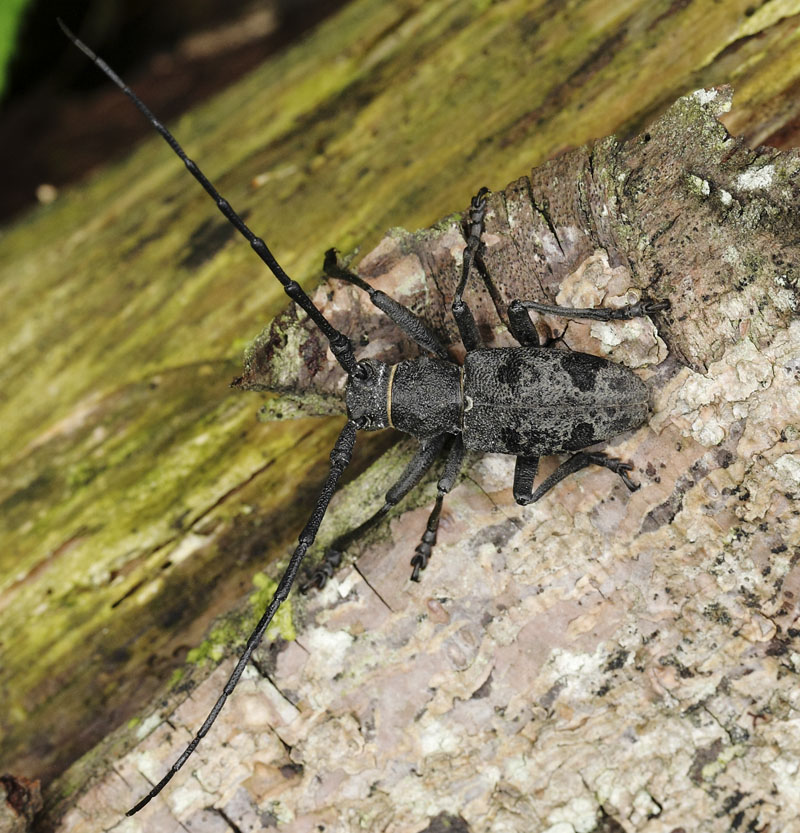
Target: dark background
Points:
(60, 118)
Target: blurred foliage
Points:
(11, 13)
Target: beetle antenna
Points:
(340, 457)
(340, 344)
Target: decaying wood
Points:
(20, 800)
(682, 211)
(140, 500)
(596, 661)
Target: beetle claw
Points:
(649, 307)
(419, 562)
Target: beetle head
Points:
(367, 394)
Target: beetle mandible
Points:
(526, 401)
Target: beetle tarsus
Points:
(473, 230)
(617, 466)
(319, 576)
(419, 562)
(649, 307)
(422, 554)
(452, 466)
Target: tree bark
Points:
(598, 655)
(596, 659)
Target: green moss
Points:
(215, 645)
(282, 625)
(177, 677)
(228, 634)
(138, 493)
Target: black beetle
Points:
(527, 401)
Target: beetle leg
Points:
(521, 327)
(576, 463)
(416, 469)
(524, 330)
(524, 475)
(340, 458)
(640, 308)
(413, 326)
(452, 467)
(465, 321)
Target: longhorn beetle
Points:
(527, 401)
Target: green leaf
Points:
(11, 13)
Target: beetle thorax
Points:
(421, 397)
(425, 397)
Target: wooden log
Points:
(134, 481)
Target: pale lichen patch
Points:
(708, 97)
(147, 725)
(698, 186)
(746, 383)
(595, 283)
(756, 178)
(580, 813)
(787, 471)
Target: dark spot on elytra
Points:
(619, 426)
(620, 420)
(619, 383)
(511, 439)
(581, 435)
(535, 439)
(582, 369)
(508, 373)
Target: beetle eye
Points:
(364, 372)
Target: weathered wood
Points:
(133, 482)
(681, 211)
(599, 654)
